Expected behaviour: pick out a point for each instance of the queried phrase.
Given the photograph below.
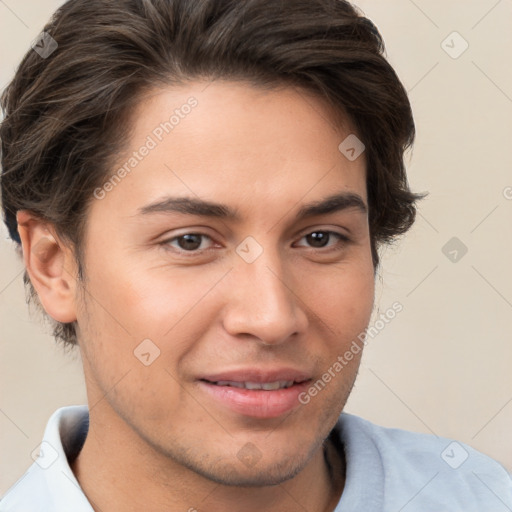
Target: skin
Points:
(156, 439)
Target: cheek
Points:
(144, 300)
(341, 297)
(163, 301)
(126, 306)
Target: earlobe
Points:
(51, 266)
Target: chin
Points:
(271, 474)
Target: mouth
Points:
(255, 399)
(265, 386)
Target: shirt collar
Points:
(49, 483)
(63, 439)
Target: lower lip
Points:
(257, 403)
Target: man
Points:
(200, 190)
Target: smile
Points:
(267, 386)
(255, 399)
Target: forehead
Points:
(237, 144)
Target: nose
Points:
(263, 301)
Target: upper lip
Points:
(258, 375)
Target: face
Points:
(206, 267)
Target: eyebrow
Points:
(203, 208)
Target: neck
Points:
(119, 472)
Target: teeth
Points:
(230, 383)
(267, 386)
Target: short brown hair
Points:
(65, 115)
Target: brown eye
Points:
(189, 242)
(320, 239)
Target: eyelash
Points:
(342, 240)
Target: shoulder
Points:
(417, 448)
(425, 468)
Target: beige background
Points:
(443, 365)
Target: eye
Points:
(188, 242)
(196, 243)
(320, 239)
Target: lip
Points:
(259, 375)
(257, 403)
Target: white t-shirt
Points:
(387, 470)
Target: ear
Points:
(51, 266)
